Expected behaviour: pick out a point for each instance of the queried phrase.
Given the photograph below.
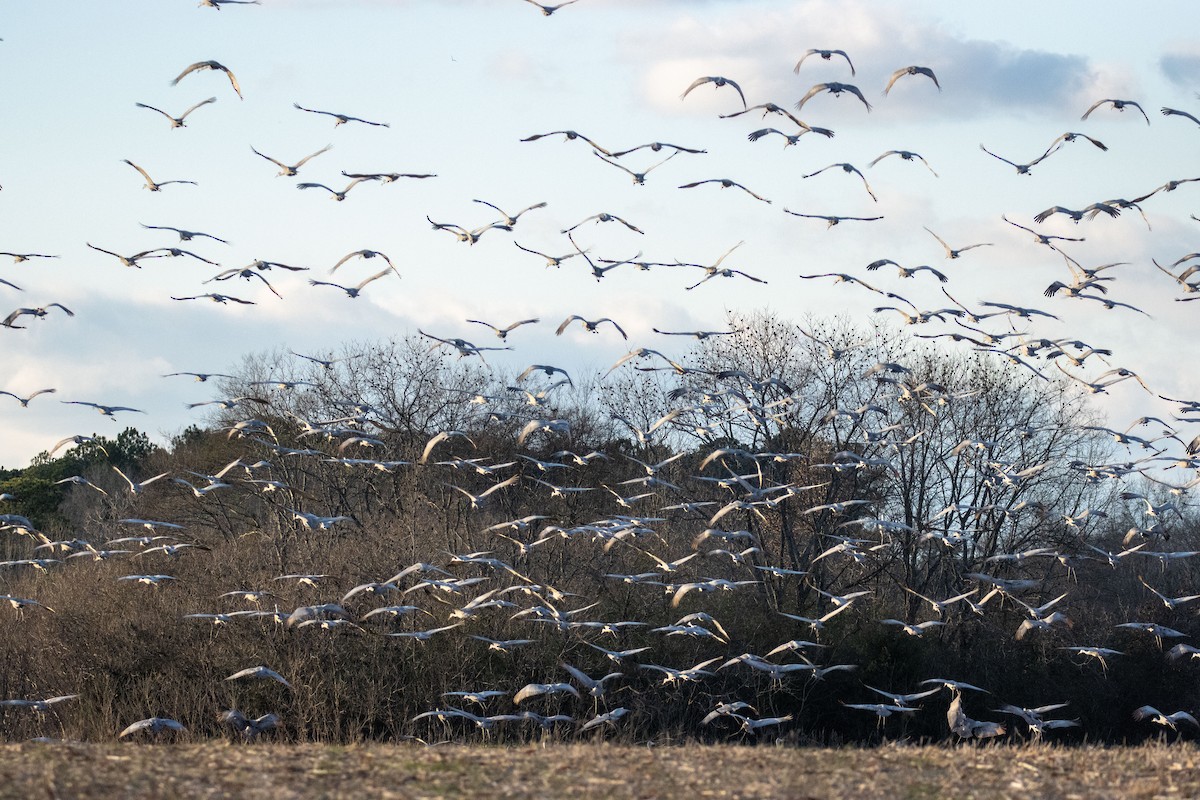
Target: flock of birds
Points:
(505, 586)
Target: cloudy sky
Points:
(461, 82)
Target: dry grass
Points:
(583, 771)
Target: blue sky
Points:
(462, 82)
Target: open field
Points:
(412, 771)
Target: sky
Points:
(461, 83)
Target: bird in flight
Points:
(1023, 169)
(24, 401)
(1119, 105)
(151, 184)
(836, 90)
(717, 81)
(907, 155)
(213, 65)
(827, 55)
(548, 10)
(725, 184)
(342, 119)
(639, 178)
(569, 136)
(177, 122)
(33, 312)
(107, 411)
(589, 325)
(831, 219)
(216, 298)
(334, 193)
(502, 333)
(849, 169)
(956, 252)
(1169, 112)
(657, 146)
(352, 291)
(19, 257)
(903, 71)
(290, 170)
(184, 236)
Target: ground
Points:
(896, 772)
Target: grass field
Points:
(896, 772)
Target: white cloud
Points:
(979, 77)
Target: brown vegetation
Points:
(940, 476)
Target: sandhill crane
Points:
(657, 146)
(551, 261)
(353, 291)
(1022, 169)
(24, 401)
(789, 139)
(847, 168)
(1159, 632)
(221, 299)
(262, 673)
(548, 10)
(903, 71)
(289, 170)
(1171, 603)
(213, 65)
(956, 252)
(530, 690)
(717, 81)
(250, 728)
(830, 219)
(107, 411)
(591, 326)
(502, 333)
(1101, 654)
(1119, 105)
(388, 177)
(508, 221)
(607, 718)
(333, 193)
(151, 184)
(568, 136)
(1170, 721)
(19, 604)
(184, 235)
(775, 108)
(725, 183)
(480, 500)
(1169, 112)
(341, 119)
(836, 90)
(245, 274)
(465, 235)
(152, 726)
(906, 155)
(38, 706)
(825, 55)
(603, 216)
(366, 254)
(20, 257)
(920, 629)
(137, 487)
(965, 727)
(639, 178)
(177, 122)
(550, 371)
(1071, 136)
(1076, 216)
